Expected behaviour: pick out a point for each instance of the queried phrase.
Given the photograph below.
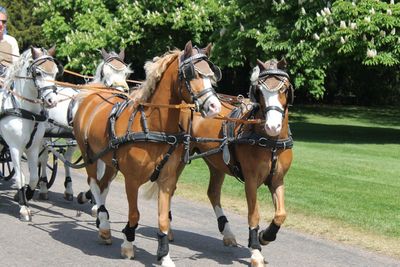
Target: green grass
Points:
(346, 168)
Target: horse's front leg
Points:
(277, 191)
(20, 197)
(43, 159)
(251, 185)
(100, 190)
(127, 248)
(214, 195)
(165, 193)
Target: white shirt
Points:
(9, 46)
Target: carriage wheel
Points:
(52, 166)
(7, 170)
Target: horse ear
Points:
(188, 49)
(261, 65)
(35, 52)
(104, 53)
(208, 49)
(121, 54)
(52, 51)
(282, 64)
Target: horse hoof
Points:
(69, 197)
(105, 236)
(25, 215)
(128, 252)
(43, 196)
(230, 241)
(166, 261)
(80, 198)
(261, 240)
(257, 259)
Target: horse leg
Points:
(164, 204)
(277, 191)
(127, 248)
(100, 190)
(68, 193)
(214, 195)
(251, 186)
(43, 190)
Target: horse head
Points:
(199, 74)
(273, 91)
(113, 71)
(43, 69)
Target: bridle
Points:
(187, 72)
(34, 68)
(263, 87)
(107, 61)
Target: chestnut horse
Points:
(142, 137)
(257, 153)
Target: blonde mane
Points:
(15, 69)
(154, 71)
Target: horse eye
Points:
(38, 73)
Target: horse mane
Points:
(15, 68)
(154, 70)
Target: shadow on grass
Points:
(322, 133)
(385, 116)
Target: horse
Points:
(111, 73)
(254, 145)
(142, 138)
(29, 89)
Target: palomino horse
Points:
(110, 73)
(29, 87)
(254, 152)
(142, 138)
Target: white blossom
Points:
(326, 21)
(241, 27)
(342, 40)
(372, 40)
(367, 19)
(323, 13)
(371, 53)
(393, 31)
(222, 31)
(353, 25)
(382, 33)
(302, 11)
(342, 24)
(282, 2)
(327, 11)
(318, 15)
(389, 12)
(364, 37)
(392, 2)
(353, 3)
(372, 11)
(316, 37)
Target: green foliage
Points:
(332, 47)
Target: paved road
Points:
(64, 234)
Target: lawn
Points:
(346, 169)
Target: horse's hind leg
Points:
(277, 191)
(68, 193)
(214, 195)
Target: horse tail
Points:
(149, 190)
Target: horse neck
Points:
(26, 88)
(166, 92)
(59, 113)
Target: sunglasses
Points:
(4, 21)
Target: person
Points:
(9, 50)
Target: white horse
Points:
(112, 73)
(29, 87)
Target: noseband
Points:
(187, 72)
